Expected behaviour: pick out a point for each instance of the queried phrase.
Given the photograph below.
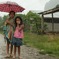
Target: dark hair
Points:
(11, 12)
(19, 19)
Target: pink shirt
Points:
(18, 34)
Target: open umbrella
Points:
(10, 6)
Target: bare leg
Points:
(19, 51)
(11, 49)
(14, 52)
(7, 48)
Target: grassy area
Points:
(47, 44)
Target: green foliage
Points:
(32, 22)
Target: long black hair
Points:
(21, 22)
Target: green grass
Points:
(47, 44)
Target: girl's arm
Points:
(8, 22)
(21, 27)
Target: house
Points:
(52, 23)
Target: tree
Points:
(34, 20)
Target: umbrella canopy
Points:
(10, 6)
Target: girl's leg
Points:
(11, 49)
(19, 51)
(7, 48)
(14, 52)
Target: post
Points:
(52, 23)
(42, 24)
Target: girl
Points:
(18, 35)
(8, 31)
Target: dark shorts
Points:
(17, 41)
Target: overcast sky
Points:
(28, 5)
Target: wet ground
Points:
(26, 52)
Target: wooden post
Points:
(42, 24)
(52, 23)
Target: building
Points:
(53, 24)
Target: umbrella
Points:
(10, 6)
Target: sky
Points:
(37, 5)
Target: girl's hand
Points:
(21, 27)
(8, 22)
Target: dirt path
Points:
(26, 52)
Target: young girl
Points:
(8, 32)
(18, 35)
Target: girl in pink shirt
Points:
(18, 35)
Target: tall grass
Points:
(47, 44)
